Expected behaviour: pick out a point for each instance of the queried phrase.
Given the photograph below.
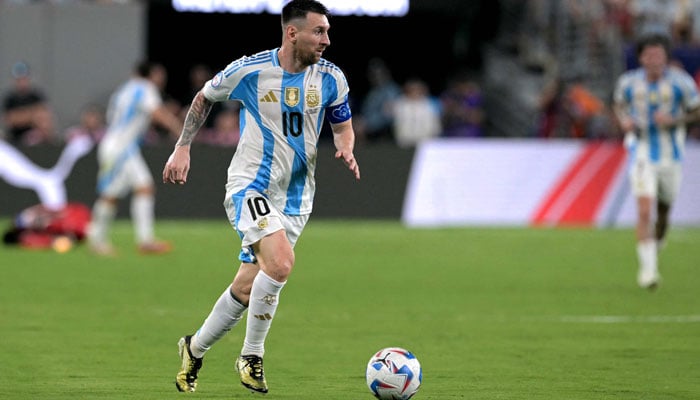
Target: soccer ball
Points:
(394, 373)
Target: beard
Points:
(307, 58)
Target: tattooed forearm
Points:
(196, 115)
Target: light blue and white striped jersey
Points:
(281, 118)
(675, 93)
(128, 118)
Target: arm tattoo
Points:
(196, 115)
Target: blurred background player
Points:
(653, 104)
(40, 227)
(132, 108)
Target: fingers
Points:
(174, 175)
(349, 160)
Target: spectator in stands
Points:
(588, 114)
(92, 124)
(22, 104)
(376, 119)
(462, 108)
(160, 132)
(416, 115)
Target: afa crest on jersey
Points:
(291, 96)
(312, 97)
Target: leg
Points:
(103, 212)
(143, 217)
(227, 311)
(276, 259)
(648, 275)
(662, 211)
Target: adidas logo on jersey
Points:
(269, 98)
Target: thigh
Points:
(123, 177)
(669, 183)
(643, 179)
(254, 217)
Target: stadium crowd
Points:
(574, 49)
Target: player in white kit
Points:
(122, 170)
(285, 94)
(653, 104)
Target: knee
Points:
(280, 267)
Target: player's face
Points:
(654, 60)
(312, 39)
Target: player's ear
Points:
(291, 31)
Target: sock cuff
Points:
(277, 284)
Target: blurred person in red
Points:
(41, 227)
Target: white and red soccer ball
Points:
(394, 373)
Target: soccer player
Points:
(284, 93)
(132, 108)
(40, 227)
(653, 104)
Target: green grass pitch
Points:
(497, 313)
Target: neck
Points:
(288, 60)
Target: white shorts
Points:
(656, 181)
(117, 178)
(253, 216)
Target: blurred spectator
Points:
(549, 108)
(22, 103)
(198, 76)
(588, 114)
(462, 108)
(92, 124)
(160, 133)
(376, 120)
(569, 109)
(416, 115)
(225, 130)
(43, 129)
(659, 16)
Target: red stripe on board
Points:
(579, 194)
(585, 207)
(540, 215)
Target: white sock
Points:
(264, 297)
(103, 213)
(142, 215)
(646, 253)
(224, 316)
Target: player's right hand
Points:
(178, 166)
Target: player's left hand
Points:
(350, 161)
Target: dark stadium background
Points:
(436, 38)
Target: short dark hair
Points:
(144, 68)
(299, 9)
(654, 39)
